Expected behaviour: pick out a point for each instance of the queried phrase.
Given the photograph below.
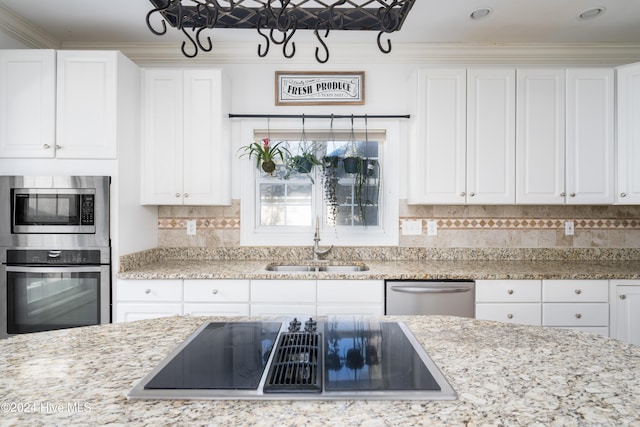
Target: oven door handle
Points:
(53, 269)
(429, 289)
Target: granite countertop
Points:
(504, 375)
(416, 270)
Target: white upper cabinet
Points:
(590, 136)
(491, 102)
(628, 80)
(540, 136)
(64, 104)
(87, 104)
(186, 147)
(438, 154)
(27, 103)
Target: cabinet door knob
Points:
(147, 291)
(623, 296)
(472, 194)
(215, 291)
(510, 291)
(46, 146)
(463, 194)
(186, 194)
(623, 194)
(177, 194)
(563, 194)
(58, 147)
(578, 316)
(509, 316)
(572, 194)
(578, 291)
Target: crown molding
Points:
(25, 32)
(150, 54)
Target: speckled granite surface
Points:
(417, 270)
(504, 374)
(385, 263)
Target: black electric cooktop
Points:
(336, 358)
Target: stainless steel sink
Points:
(327, 268)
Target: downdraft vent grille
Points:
(296, 364)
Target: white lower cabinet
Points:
(568, 304)
(625, 310)
(216, 297)
(283, 298)
(510, 301)
(579, 304)
(147, 299)
(345, 297)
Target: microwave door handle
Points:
(428, 290)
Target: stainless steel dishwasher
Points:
(430, 297)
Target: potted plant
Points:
(304, 161)
(265, 154)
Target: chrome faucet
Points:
(316, 243)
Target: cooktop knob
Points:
(310, 325)
(294, 325)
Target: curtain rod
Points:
(317, 116)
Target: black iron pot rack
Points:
(282, 16)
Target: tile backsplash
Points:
(466, 226)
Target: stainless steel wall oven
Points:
(55, 254)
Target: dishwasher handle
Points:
(412, 289)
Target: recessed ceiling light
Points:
(480, 13)
(594, 12)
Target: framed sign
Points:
(319, 88)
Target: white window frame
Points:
(385, 235)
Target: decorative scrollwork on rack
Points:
(282, 19)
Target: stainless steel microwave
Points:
(64, 211)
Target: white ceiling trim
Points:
(25, 32)
(411, 53)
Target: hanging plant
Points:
(305, 160)
(330, 186)
(366, 181)
(351, 159)
(265, 154)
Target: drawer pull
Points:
(509, 316)
(578, 291)
(215, 291)
(578, 316)
(177, 194)
(623, 194)
(623, 296)
(147, 291)
(510, 291)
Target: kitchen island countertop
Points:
(504, 375)
(394, 270)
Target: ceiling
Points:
(430, 21)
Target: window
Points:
(350, 206)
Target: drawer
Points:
(216, 291)
(351, 291)
(209, 309)
(149, 290)
(520, 313)
(283, 291)
(131, 311)
(299, 311)
(575, 290)
(508, 291)
(350, 309)
(567, 314)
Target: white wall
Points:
(8, 42)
